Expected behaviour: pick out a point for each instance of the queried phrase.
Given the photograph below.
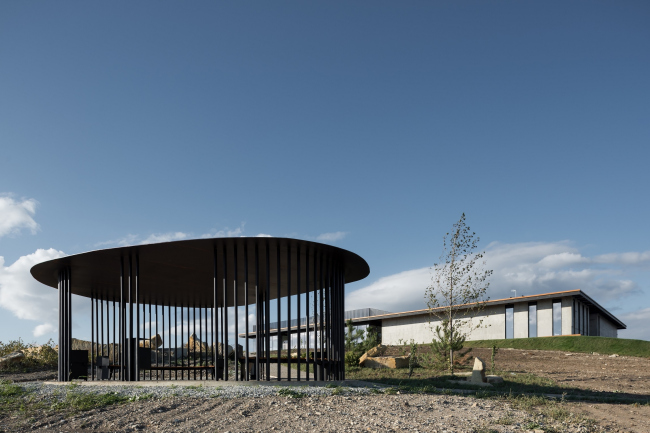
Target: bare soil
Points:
(425, 413)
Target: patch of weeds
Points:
(290, 393)
(375, 391)
(390, 391)
(338, 390)
(331, 385)
(141, 397)
(531, 426)
(83, 402)
(506, 420)
(484, 430)
(193, 387)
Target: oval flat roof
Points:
(183, 272)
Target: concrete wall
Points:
(567, 315)
(491, 320)
(607, 328)
(521, 320)
(545, 318)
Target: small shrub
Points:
(290, 393)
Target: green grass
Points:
(602, 345)
(287, 392)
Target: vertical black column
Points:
(328, 320)
(236, 300)
(182, 351)
(114, 340)
(342, 310)
(299, 298)
(176, 339)
(205, 357)
(315, 316)
(137, 319)
(169, 335)
(215, 321)
(201, 340)
(279, 288)
(267, 312)
(246, 367)
(258, 328)
(101, 322)
(288, 311)
(321, 346)
(122, 308)
(307, 311)
(225, 315)
(92, 336)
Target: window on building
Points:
(557, 317)
(510, 321)
(532, 320)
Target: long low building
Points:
(570, 312)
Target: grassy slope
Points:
(603, 345)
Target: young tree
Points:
(458, 280)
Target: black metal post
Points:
(307, 334)
(258, 328)
(267, 313)
(137, 319)
(114, 339)
(201, 340)
(176, 340)
(215, 321)
(246, 368)
(299, 298)
(236, 283)
(169, 336)
(182, 351)
(288, 311)
(224, 315)
(122, 309)
(279, 288)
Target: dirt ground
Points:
(616, 374)
(625, 376)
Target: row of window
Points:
(532, 319)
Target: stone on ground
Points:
(374, 352)
(387, 362)
(11, 359)
(153, 343)
(478, 372)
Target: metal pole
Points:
(315, 314)
(224, 314)
(121, 356)
(328, 319)
(169, 336)
(215, 322)
(299, 298)
(321, 283)
(267, 313)
(236, 344)
(101, 322)
(289, 311)
(176, 339)
(205, 322)
(182, 351)
(200, 347)
(279, 279)
(246, 372)
(137, 319)
(307, 312)
(257, 315)
(114, 339)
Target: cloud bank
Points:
(331, 237)
(528, 268)
(25, 297)
(16, 215)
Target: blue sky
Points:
(369, 125)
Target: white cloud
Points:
(225, 233)
(331, 237)
(17, 215)
(528, 268)
(263, 235)
(164, 237)
(25, 297)
(637, 324)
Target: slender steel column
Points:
(236, 283)
(224, 314)
(194, 337)
(169, 336)
(214, 321)
(321, 346)
(258, 328)
(288, 311)
(176, 339)
(101, 322)
(315, 364)
(328, 318)
(307, 312)
(122, 309)
(129, 360)
(137, 318)
(201, 340)
(246, 372)
(189, 371)
(96, 346)
(113, 341)
(299, 298)
(267, 313)
(182, 351)
(92, 335)
(278, 299)
(205, 357)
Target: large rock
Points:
(478, 372)
(387, 362)
(196, 345)
(154, 342)
(372, 353)
(11, 359)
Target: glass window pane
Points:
(510, 322)
(557, 318)
(532, 320)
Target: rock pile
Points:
(374, 359)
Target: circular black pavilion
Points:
(221, 278)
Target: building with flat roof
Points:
(570, 312)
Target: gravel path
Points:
(240, 408)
